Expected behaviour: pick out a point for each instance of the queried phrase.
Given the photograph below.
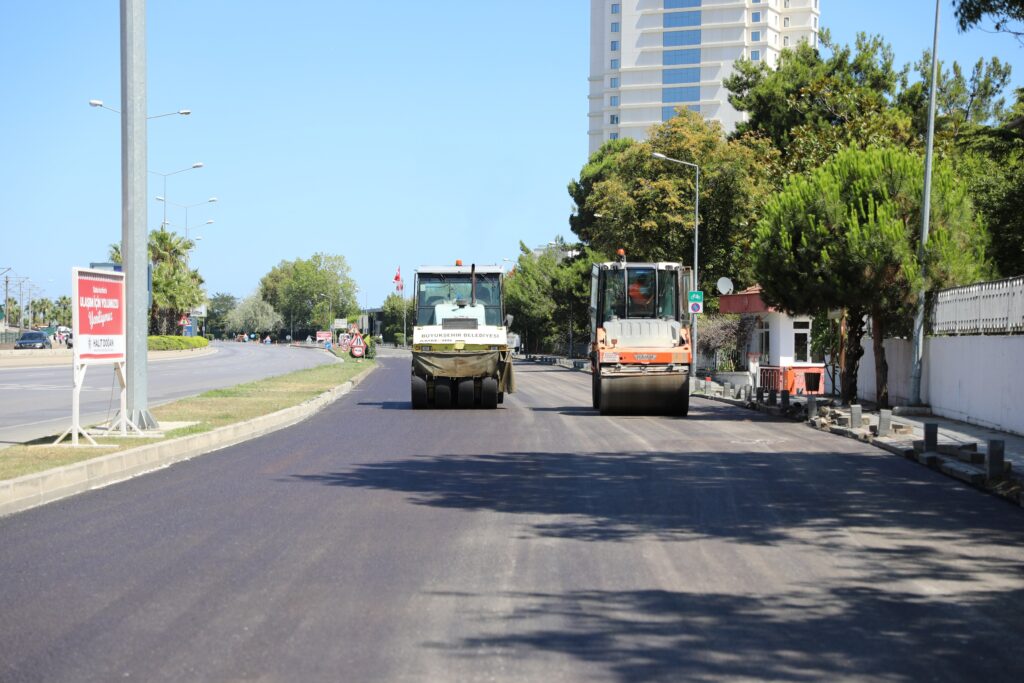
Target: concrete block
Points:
(931, 436)
(760, 394)
(884, 422)
(785, 399)
(856, 416)
(963, 472)
(995, 458)
(901, 429)
(812, 407)
(773, 397)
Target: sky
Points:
(395, 134)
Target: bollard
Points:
(856, 416)
(812, 407)
(785, 399)
(747, 392)
(773, 397)
(994, 458)
(760, 394)
(931, 437)
(884, 422)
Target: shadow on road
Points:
(862, 633)
(903, 563)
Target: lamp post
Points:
(211, 200)
(198, 164)
(696, 242)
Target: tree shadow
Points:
(808, 634)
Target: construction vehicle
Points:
(641, 354)
(460, 352)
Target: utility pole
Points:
(917, 360)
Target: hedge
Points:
(169, 343)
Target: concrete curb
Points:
(51, 357)
(1008, 487)
(32, 490)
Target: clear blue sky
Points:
(395, 134)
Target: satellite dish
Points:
(724, 285)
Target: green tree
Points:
(253, 314)
(528, 297)
(62, 311)
(311, 292)
(1003, 13)
(628, 199)
(217, 309)
(394, 327)
(846, 237)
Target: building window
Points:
(785, 41)
(755, 17)
(801, 341)
(815, 4)
(785, 3)
(755, 36)
(673, 76)
(613, 100)
(615, 46)
(613, 119)
(615, 63)
(755, 55)
(680, 38)
(785, 22)
(613, 82)
(613, 136)
(615, 27)
(615, 8)
(675, 57)
(687, 94)
(814, 22)
(681, 19)
(667, 113)
(681, 4)
(764, 334)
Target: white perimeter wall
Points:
(974, 379)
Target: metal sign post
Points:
(99, 329)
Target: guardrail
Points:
(984, 308)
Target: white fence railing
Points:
(984, 308)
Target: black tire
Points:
(419, 393)
(683, 403)
(489, 393)
(466, 397)
(442, 394)
(595, 388)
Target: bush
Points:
(371, 347)
(172, 343)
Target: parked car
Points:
(33, 340)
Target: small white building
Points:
(779, 350)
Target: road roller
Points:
(640, 347)
(460, 352)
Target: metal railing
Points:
(985, 308)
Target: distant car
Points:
(33, 340)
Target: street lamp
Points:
(180, 112)
(696, 240)
(198, 164)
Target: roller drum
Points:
(644, 394)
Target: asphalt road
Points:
(36, 402)
(538, 542)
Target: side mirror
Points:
(508, 320)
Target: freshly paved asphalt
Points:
(36, 402)
(538, 542)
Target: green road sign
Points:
(696, 297)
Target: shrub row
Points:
(169, 343)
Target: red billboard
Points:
(98, 314)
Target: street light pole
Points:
(696, 241)
(198, 164)
(918, 349)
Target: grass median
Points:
(204, 412)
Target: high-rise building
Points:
(648, 57)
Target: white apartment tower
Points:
(648, 57)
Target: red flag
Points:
(399, 286)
